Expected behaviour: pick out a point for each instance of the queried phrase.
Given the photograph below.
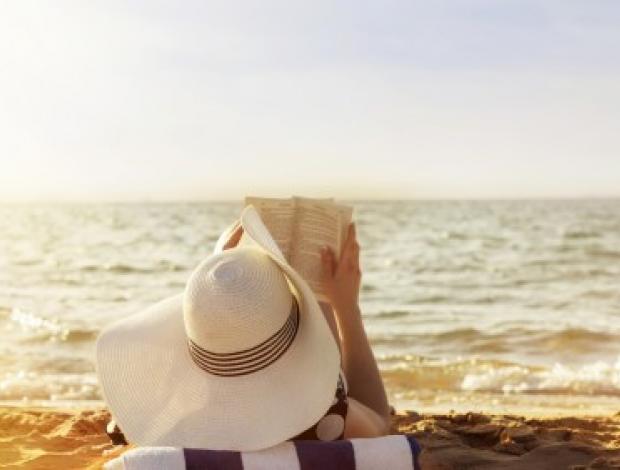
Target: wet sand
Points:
(45, 438)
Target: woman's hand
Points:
(342, 277)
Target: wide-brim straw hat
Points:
(244, 359)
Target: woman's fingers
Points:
(350, 249)
(346, 246)
(349, 257)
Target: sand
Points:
(40, 438)
(478, 441)
(45, 438)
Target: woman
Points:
(368, 412)
(245, 359)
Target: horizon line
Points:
(347, 199)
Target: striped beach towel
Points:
(395, 452)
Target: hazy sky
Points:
(200, 99)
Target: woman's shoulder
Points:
(363, 421)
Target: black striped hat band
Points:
(252, 359)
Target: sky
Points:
(197, 100)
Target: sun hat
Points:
(242, 360)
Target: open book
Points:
(301, 226)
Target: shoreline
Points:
(40, 438)
(402, 406)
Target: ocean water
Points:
(510, 306)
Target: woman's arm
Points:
(342, 280)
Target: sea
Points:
(495, 306)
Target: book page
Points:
(278, 216)
(317, 223)
(301, 227)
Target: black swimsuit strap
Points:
(331, 426)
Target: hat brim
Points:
(160, 397)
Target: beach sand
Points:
(479, 441)
(45, 438)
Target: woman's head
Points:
(240, 315)
(235, 301)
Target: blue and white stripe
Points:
(395, 452)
